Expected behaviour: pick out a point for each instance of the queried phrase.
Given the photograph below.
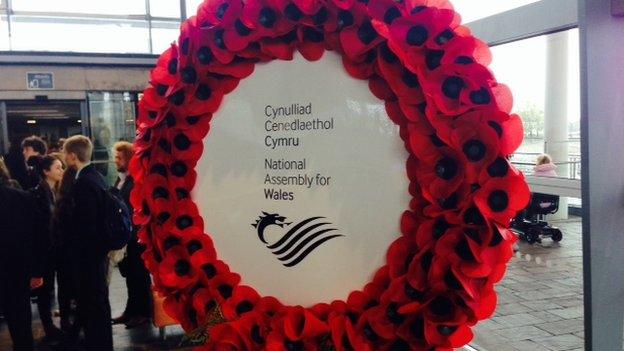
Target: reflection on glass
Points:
(165, 8)
(112, 118)
(4, 33)
(163, 34)
(525, 75)
(111, 7)
(91, 35)
(472, 10)
(191, 7)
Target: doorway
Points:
(49, 120)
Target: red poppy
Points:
(223, 12)
(418, 270)
(243, 300)
(178, 307)
(445, 322)
(360, 38)
(400, 255)
(433, 229)
(268, 306)
(203, 303)
(209, 268)
(222, 286)
(345, 337)
(176, 271)
(362, 67)
(311, 42)
(296, 329)
(502, 198)
(426, 27)
(404, 83)
(265, 18)
(226, 337)
(383, 13)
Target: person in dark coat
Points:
(139, 304)
(33, 149)
(20, 265)
(15, 163)
(88, 245)
(60, 231)
(51, 173)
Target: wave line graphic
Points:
(310, 249)
(299, 241)
(298, 237)
(292, 231)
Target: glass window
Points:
(79, 35)
(540, 300)
(111, 7)
(163, 34)
(526, 77)
(4, 32)
(472, 10)
(165, 8)
(112, 119)
(191, 7)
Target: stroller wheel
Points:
(556, 235)
(533, 235)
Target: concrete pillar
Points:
(556, 108)
(602, 103)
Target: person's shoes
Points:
(137, 322)
(123, 319)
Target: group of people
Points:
(51, 235)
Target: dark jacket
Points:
(44, 200)
(17, 234)
(32, 172)
(86, 235)
(126, 189)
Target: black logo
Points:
(299, 241)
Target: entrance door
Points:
(50, 120)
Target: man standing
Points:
(88, 245)
(33, 149)
(138, 282)
(20, 269)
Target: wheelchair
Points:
(530, 224)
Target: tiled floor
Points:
(540, 299)
(145, 338)
(540, 304)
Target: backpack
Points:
(117, 222)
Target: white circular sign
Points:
(302, 182)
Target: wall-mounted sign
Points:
(302, 184)
(40, 81)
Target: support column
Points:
(556, 109)
(602, 124)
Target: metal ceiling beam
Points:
(539, 18)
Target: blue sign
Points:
(40, 80)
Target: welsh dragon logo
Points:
(300, 239)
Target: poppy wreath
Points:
(454, 119)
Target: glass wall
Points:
(112, 119)
(526, 75)
(540, 300)
(115, 26)
(472, 10)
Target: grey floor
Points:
(541, 298)
(540, 305)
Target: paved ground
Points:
(540, 299)
(540, 304)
